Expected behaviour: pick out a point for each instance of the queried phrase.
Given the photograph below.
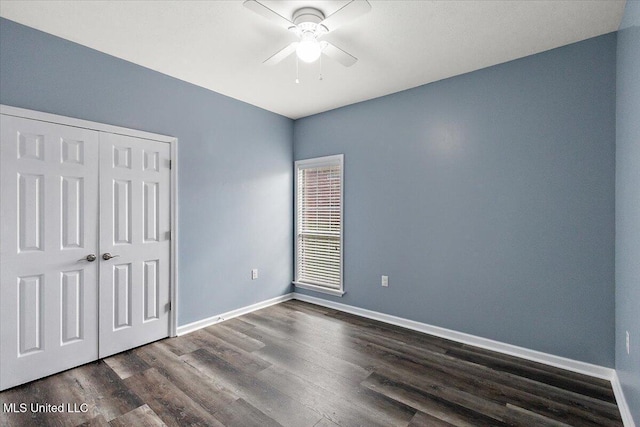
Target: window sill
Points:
(334, 292)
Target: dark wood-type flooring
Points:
(297, 364)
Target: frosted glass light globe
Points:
(308, 50)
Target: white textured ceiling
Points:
(220, 45)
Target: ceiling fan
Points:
(310, 24)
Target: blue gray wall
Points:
(488, 199)
(628, 206)
(235, 161)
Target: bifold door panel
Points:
(70, 196)
(134, 231)
(49, 210)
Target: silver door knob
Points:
(90, 258)
(107, 256)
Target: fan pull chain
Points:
(297, 73)
(320, 78)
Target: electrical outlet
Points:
(628, 346)
(385, 281)
(254, 273)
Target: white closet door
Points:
(49, 208)
(135, 231)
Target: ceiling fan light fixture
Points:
(310, 25)
(309, 50)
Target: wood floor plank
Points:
(306, 345)
(385, 352)
(27, 394)
(343, 409)
(229, 352)
(297, 364)
(533, 417)
(325, 348)
(413, 369)
(540, 366)
(98, 383)
(170, 403)
(326, 423)
(93, 384)
(237, 324)
(241, 414)
(425, 420)
(126, 364)
(315, 309)
(435, 390)
(288, 364)
(548, 406)
(200, 388)
(329, 328)
(288, 358)
(433, 405)
(393, 331)
(98, 421)
(497, 413)
(590, 389)
(181, 345)
(262, 395)
(139, 417)
(235, 338)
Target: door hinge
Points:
(170, 164)
(169, 305)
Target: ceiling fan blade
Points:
(339, 55)
(346, 13)
(265, 12)
(281, 54)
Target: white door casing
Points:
(135, 230)
(49, 208)
(68, 189)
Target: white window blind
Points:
(319, 199)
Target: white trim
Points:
(625, 411)
(79, 123)
(319, 162)
(500, 347)
(321, 289)
(173, 321)
(101, 127)
(199, 324)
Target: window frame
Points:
(318, 162)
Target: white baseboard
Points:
(199, 324)
(625, 411)
(500, 347)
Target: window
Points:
(319, 203)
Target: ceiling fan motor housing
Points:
(307, 19)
